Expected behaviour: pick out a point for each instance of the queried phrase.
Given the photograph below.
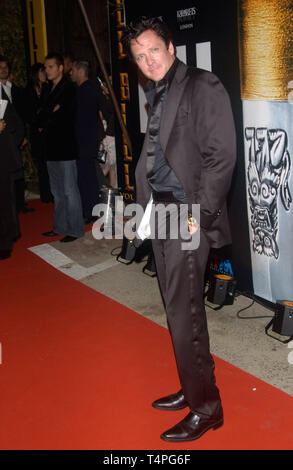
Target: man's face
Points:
(53, 71)
(68, 64)
(74, 74)
(151, 55)
(4, 71)
(42, 76)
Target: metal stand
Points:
(150, 266)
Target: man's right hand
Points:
(2, 125)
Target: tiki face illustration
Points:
(267, 173)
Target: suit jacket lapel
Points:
(173, 99)
(4, 94)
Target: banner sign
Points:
(186, 18)
(123, 78)
(266, 50)
(36, 30)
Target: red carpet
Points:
(79, 371)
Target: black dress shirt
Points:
(162, 178)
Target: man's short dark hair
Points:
(142, 24)
(7, 62)
(34, 73)
(58, 58)
(84, 65)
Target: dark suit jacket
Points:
(89, 129)
(18, 101)
(10, 138)
(10, 164)
(198, 139)
(58, 126)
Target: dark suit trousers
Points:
(88, 184)
(20, 193)
(9, 227)
(38, 157)
(181, 280)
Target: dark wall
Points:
(66, 29)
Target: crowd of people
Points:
(63, 114)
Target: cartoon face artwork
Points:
(268, 172)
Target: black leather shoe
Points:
(27, 210)
(50, 234)
(89, 220)
(68, 239)
(171, 402)
(18, 236)
(192, 427)
(4, 254)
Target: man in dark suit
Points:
(15, 95)
(11, 135)
(187, 158)
(89, 132)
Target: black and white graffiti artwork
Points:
(268, 173)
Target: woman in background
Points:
(34, 94)
(11, 136)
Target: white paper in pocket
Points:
(144, 229)
(3, 106)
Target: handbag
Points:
(102, 154)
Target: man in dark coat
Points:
(89, 133)
(187, 158)
(15, 95)
(11, 136)
(56, 123)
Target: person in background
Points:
(56, 124)
(35, 90)
(11, 136)
(108, 117)
(89, 132)
(16, 96)
(68, 64)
